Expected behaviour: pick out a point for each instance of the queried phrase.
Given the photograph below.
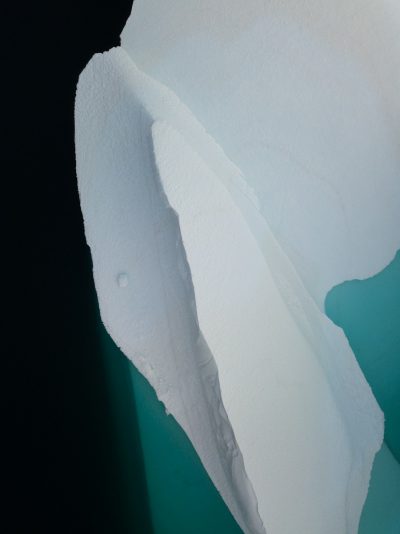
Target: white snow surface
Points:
(303, 96)
(215, 235)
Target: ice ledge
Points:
(133, 233)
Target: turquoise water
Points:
(182, 497)
(155, 454)
(369, 313)
(128, 499)
(381, 513)
(156, 459)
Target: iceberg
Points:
(303, 98)
(217, 166)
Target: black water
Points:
(65, 469)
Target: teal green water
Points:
(381, 513)
(369, 313)
(128, 498)
(155, 456)
(182, 497)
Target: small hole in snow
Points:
(122, 280)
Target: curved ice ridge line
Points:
(289, 285)
(229, 450)
(230, 455)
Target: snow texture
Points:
(304, 99)
(224, 191)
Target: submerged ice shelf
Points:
(222, 318)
